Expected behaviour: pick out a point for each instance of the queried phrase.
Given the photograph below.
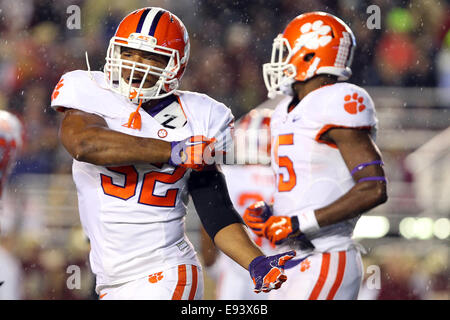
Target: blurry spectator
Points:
(435, 265)
(398, 275)
(17, 14)
(443, 69)
(396, 52)
(41, 133)
(28, 248)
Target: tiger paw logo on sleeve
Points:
(354, 103)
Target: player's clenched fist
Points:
(256, 215)
(279, 228)
(267, 272)
(194, 152)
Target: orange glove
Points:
(278, 228)
(256, 215)
(194, 152)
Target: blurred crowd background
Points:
(405, 65)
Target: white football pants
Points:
(182, 282)
(322, 276)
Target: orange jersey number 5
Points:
(285, 184)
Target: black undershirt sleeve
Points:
(212, 202)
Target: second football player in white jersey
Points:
(329, 170)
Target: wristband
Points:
(361, 166)
(307, 222)
(373, 179)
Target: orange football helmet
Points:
(252, 137)
(153, 30)
(312, 43)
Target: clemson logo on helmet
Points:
(314, 35)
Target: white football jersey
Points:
(134, 215)
(246, 184)
(311, 172)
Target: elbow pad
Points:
(209, 192)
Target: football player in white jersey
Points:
(11, 142)
(250, 180)
(136, 140)
(328, 168)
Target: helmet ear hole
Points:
(308, 57)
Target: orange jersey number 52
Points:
(146, 196)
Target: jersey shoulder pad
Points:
(342, 104)
(208, 116)
(81, 90)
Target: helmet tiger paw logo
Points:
(155, 277)
(354, 103)
(314, 35)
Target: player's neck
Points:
(302, 89)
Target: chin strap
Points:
(134, 121)
(88, 66)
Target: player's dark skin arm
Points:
(356, 147)
(87, 138)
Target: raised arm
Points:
(87, 138)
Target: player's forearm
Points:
(361, 198)
(208, 249)
(105, 147)
(235, 242)
(219, 217)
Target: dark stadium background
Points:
(405, 66)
